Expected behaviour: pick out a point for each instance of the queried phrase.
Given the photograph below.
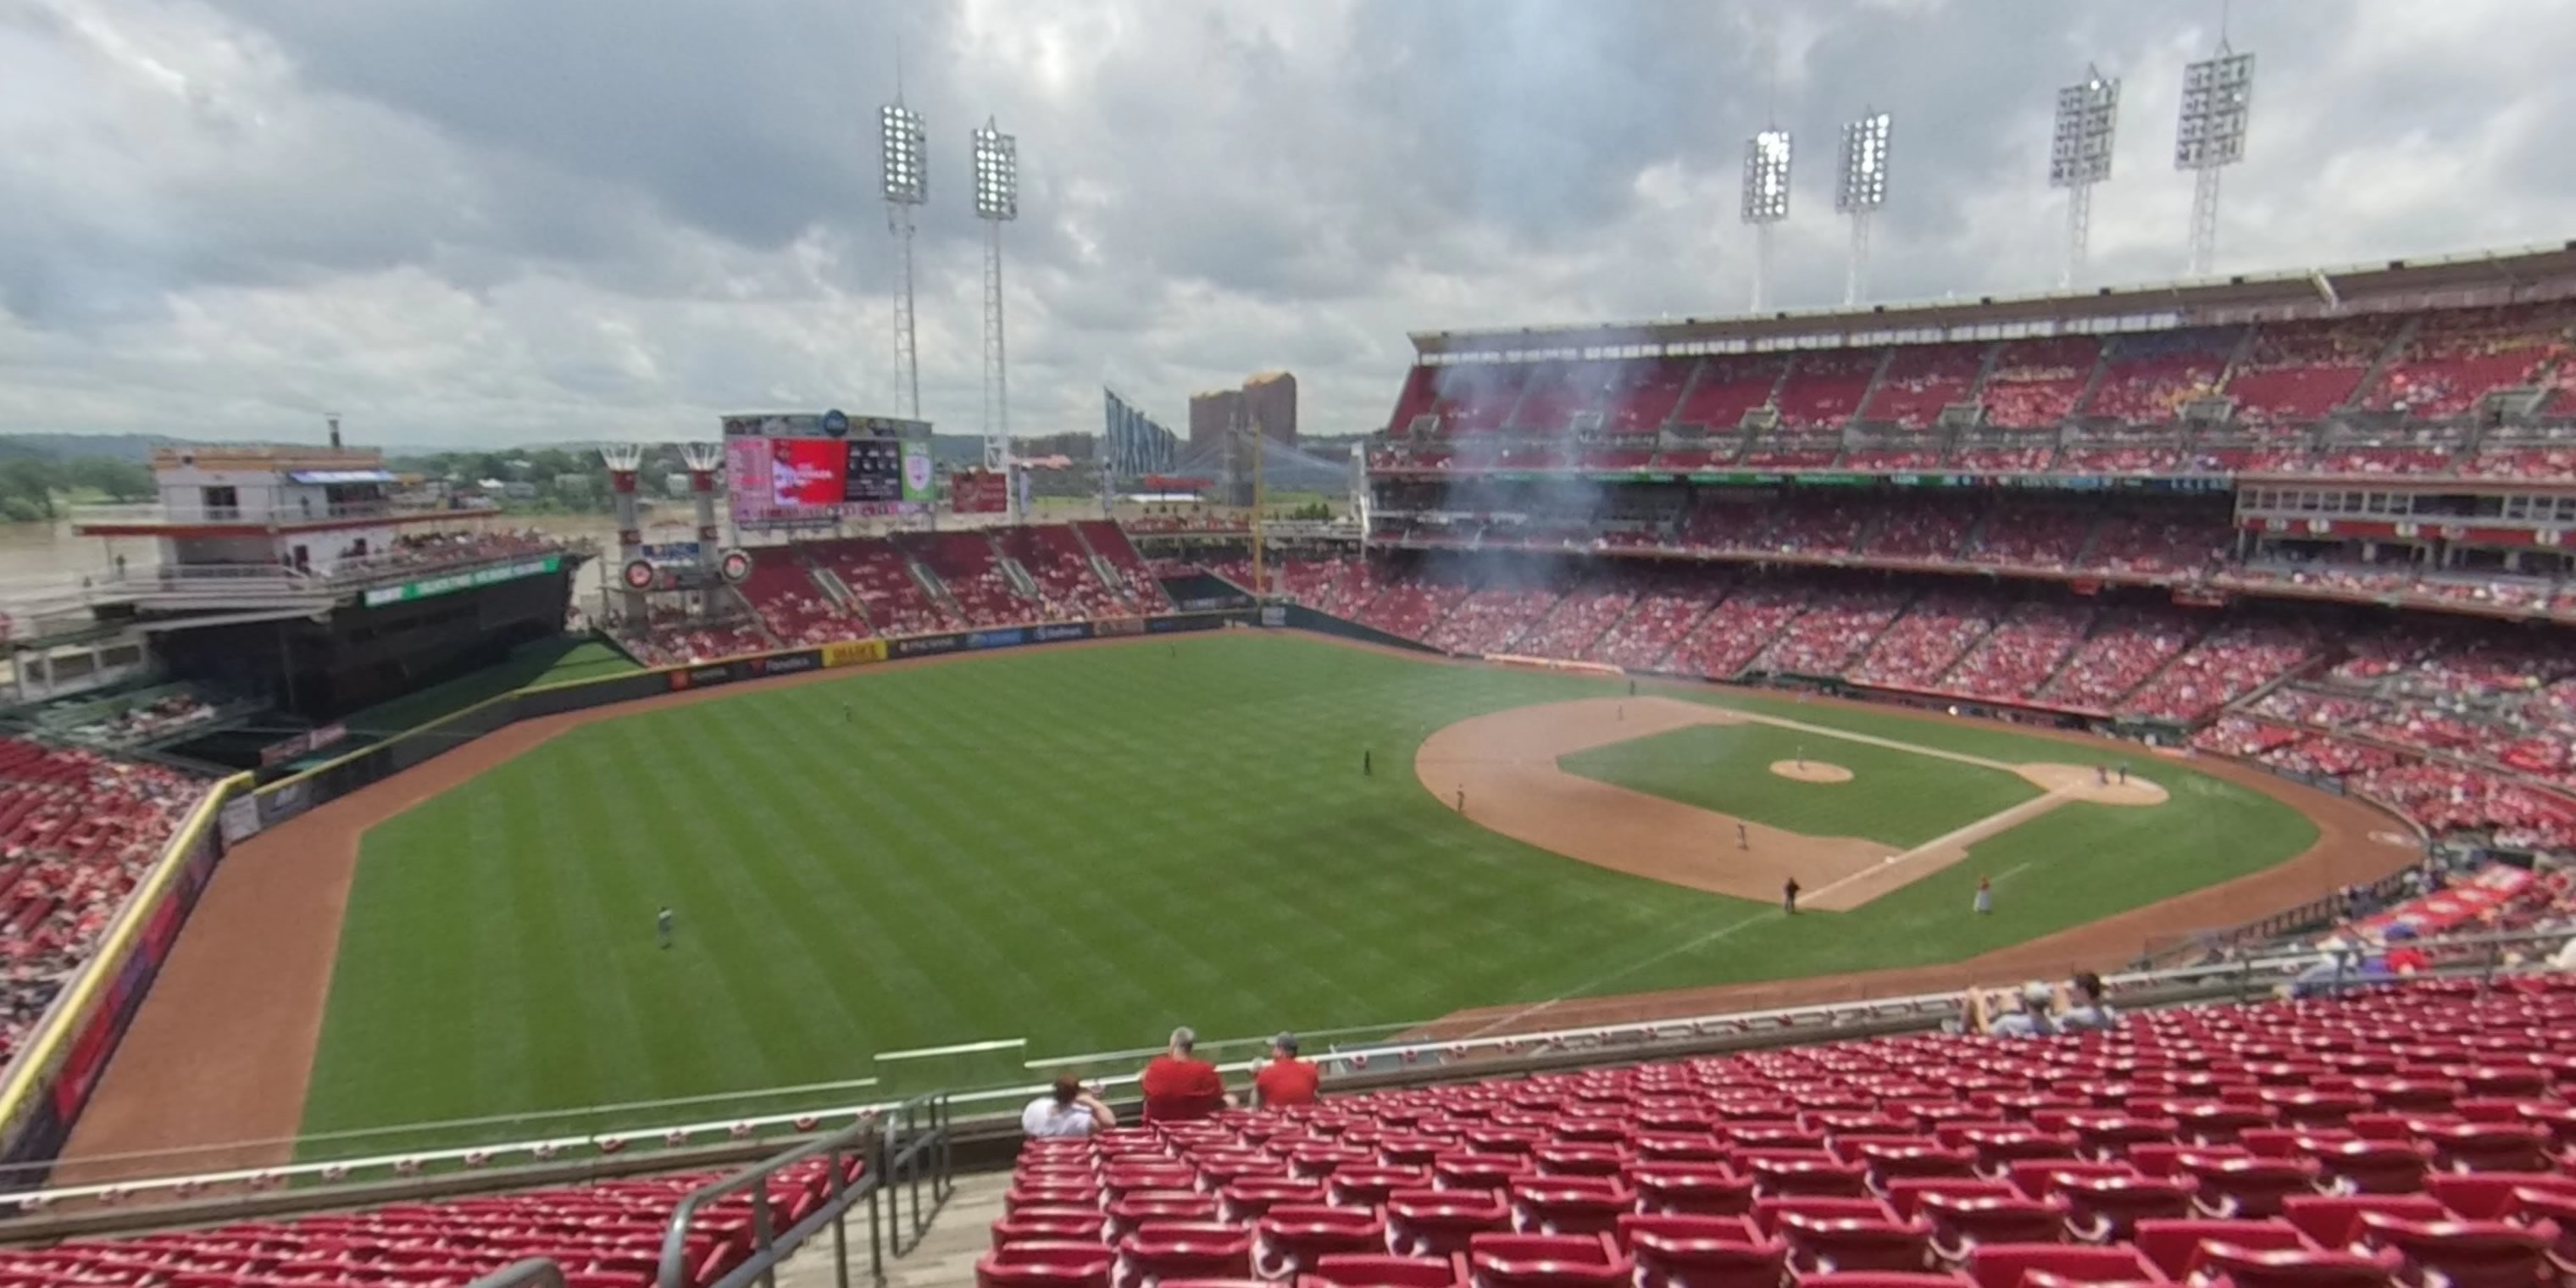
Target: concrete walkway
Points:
(946, 1258)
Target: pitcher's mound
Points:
(1811, 771)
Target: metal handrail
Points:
(770, 1245)
(918, 1136)
(535, 1272)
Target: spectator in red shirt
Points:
(1286, 1080)
(1179, 1086)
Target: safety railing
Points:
(855, 1149)
(535, 1272)
(917, 1152)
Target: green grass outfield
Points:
(1083, 847)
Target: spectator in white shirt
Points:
(1068, 1111)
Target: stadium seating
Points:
(78, 830)
(2224, 665)
(1921, 379)
(1491, 619)
(2457, 355)
(1824, 387)
(968, 568)
(1643, 395)
(2118, 1158)
(2022, 653)
(2126, 647)
(1666, 610)
(795, 608)
(1726, 387)
(881, 576)
(1931, 638)
(670, 637)
(2036, 383)
(2149, 377)
(1836, 628)
(608, 1235)
(1143, 592)
(1069, 588)
(2298, 371)
(1578, 619)
(1735, 632)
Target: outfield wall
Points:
(44, 1091)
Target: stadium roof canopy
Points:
(2481, 277)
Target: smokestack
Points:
(335, 433)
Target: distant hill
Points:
(115, 447)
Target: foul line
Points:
(2001, 821)
(962, 1048)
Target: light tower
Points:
(703, 460)
(2079, 156)
(2217, 97)
(997, 202)
(1860, 190)
(902, 149)
(1766, 200)
(623, 460)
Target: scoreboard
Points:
(801, 469)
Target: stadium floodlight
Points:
(2217, 104)
(1860, 189)
(2079, 156)
(1766, 199)
(903, 147)
(997, 202)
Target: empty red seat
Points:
(1905, 1195)
(1369, 1186)
(2228, 1265)
(1827, 1244)
(1806, 1176)
(1684, 1229)
(2249, 1187)
(1425, 1223)
(2004, 1265)
(1569, 1204)
(1364, 1270)
(1887, 1279)
(1548, 1261)
(2174, 1245)
(2486, 1147)
(1960, 1222)
(2334, 1220)
(1245, 1200)
(1184, 1250)
(1479, 1171)
(1672, 1260)
(2371, 1166)
(2493, 1196)
(1697, 1189)
(1292, 1235)
(1043, 1263)
(1055, 1223)
(1159, 1205)
(2465, 1254)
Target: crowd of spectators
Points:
(1930, 639)
(78, 830)
(1832, 632)
(2224, 665)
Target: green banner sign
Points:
(429, 587)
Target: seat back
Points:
(2238, 1266)
(1428, 1223)
(1668, 1261)
(1044, 1263)
(1824, 1244)
(2002, 1265)
(1691, 1188)
(2334, 1220)
(1547, 1261)
(2174, 1245)
(1365, 1270)
(2469, 1254)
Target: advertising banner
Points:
(428, 587)
(924, 645)
(918, 483)
(238, 819)
(997, 639)
(854, 653)
(1054, 631)
(1109, 627)
(978, 492)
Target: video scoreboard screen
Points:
(803, 469)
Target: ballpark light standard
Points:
(902, 144)
(1860, 191)
(2079, 156)
(2217, 97)
(997, 202)
(1766, 200)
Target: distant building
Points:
(1212, 420)
(1132, 443)
(1270, 405)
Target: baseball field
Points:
(1069, 850)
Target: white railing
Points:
(149, 512)
(2471, 955)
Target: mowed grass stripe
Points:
(1897, 798)
(1080, 847)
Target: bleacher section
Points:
(2415, 1135)
(2116, 399)
(78, 830)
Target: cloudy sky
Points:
(483, 221)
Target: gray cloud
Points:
(478, 221)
